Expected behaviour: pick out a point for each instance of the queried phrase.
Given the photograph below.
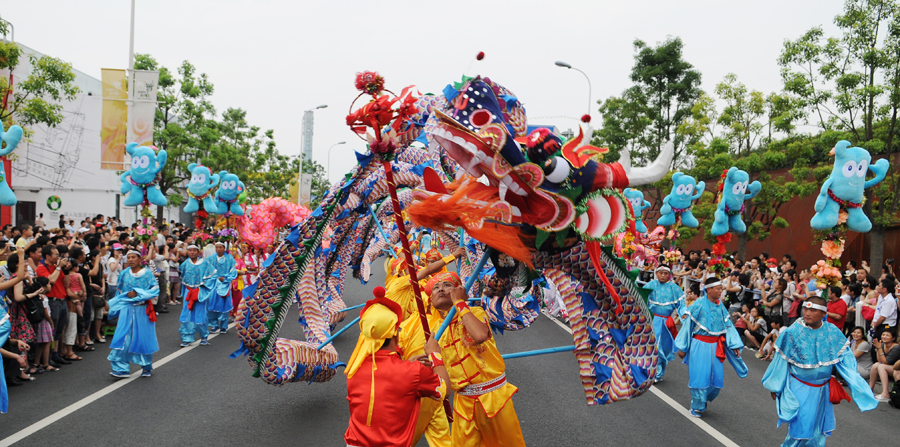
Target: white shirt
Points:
(887, 308)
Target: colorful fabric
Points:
(432, 417)
(452, 277)
(501, 430)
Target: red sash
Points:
(836, 391)
(151, 312)
(670, 325)
(718, 340)
(192, 296)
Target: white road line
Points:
(44, 423)
(672, 403)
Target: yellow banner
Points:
(293, 190)
(115, 119)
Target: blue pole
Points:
(381, 230)
(475, 273)
(339, 332)
(516, 355)
(354, 307)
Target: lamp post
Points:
(328, 171)
(569, 66)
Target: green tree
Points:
(742, 113)
(36, 99)
(320, 184)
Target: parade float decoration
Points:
(839, 207)
(638, 205)
(677, 205)
(9, 138)
(260, 226)
(732, 194)
(548, 215)
(640, 250)
(226, 198)
(140, 182)
(200, 189)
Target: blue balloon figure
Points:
(10, 139)
(227, 194)
(146, 164)
(845, 187)
(734, 193)
(200, 189)
(679, 201)
(638, 204)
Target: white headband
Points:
(192, 246)
(221, 243)
(809, 305)
(662, 267)
(711, 285)
(133, 252)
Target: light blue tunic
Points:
(665, 299)
(5, 329)
(195, 276)
(706, 372)
(135, 337)
(811, 355)
(219, 291)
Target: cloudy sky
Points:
(277, 58)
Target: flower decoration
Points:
(145, 233)
(826, 274)
(719, 265)
(672, 256)
(833, 249)
(370, 82)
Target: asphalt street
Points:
(203, 398)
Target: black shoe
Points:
(164, 310)
(54, 364)
(54, 357)
(63, 361)
(14, 382)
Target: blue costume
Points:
(10, 139)
(219, 292)
(195, 295)
(704, 335)
(665, 299)
(135, 337)
(5, 329)
(800, 377)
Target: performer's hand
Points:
(221, 279)
(459, 252)
(423, 359)
(681, 354)
(774, 396)
(458, 294)
(131, 294)
(432, 346)
(737, 353)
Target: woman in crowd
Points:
(887, 353)
(867, 301)
(21, 327)
(860, 348)
(756, 327)
(773, 301)
(74, 285)
(44, 330)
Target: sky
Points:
(277, 58)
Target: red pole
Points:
(410, 266)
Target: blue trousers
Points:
(217, 320)
(120, 359)
(188, 330)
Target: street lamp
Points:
(569, 66)
(328, 172)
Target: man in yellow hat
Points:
(483, 412)
(384, 390)
(399, 287)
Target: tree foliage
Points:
(36, 99)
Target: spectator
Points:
(885, 317)
(850, 273)
(756, 328)
(855, 309)
(39, 222)
(768, 343)
(21, 328)
(837, 308)
(44, 329)
(49, 269)
(75, 292)
(868, 299)
(887, 351)
(773, 301)
(860, 348)
(27, 232)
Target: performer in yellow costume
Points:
(399, 288)
(483, 412)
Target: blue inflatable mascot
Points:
(140, 180)
(10, 139)
(638, 204)
(679, 201)
(200, 189)
(735, 184)
(227, 194)
(845, 187)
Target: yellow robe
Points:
(400, 291)
(432, 417)
(489, 419)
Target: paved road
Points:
(203, 398)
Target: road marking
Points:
(671, 402)
(44, 423)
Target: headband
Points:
(809, 305)
(712, 284)
(135, 252)
(192, 246)
(221, 243)
(663, 268)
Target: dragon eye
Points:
(849, 168)
(559, 170)
(481, 118)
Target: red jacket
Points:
(399, 384)
(837, 307)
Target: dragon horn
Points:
(649, 174)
